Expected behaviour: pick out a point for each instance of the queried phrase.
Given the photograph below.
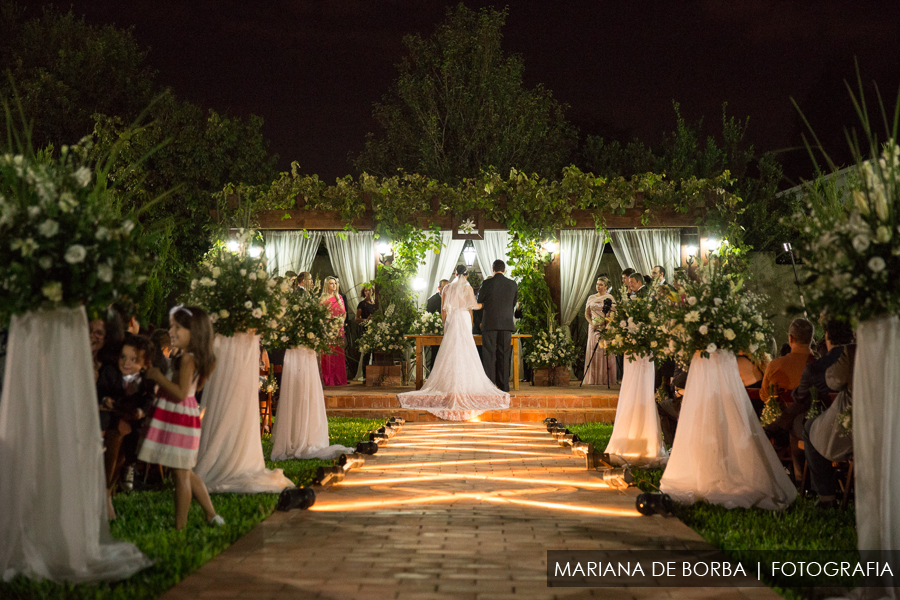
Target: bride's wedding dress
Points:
(458, 388)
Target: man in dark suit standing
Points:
(638, 289)
(433, 305)
(499, 295)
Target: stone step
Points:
(511, 415)
(549, 402)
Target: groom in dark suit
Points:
(499, 295)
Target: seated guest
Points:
(752, 371)
(837, 334)
(824, 437)
(785, 372)
(670, 408)
(129, 397)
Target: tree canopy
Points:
(459, 106)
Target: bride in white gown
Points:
(457, 389)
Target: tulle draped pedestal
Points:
(876, 438)
(53, 519)
(637, 436)
(230, 457)
(721, 453)
(457, 389)
(301, 425)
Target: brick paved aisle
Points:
(448, 510)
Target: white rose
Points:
(876, 263)
(711, 348)
(248, 304)
(252, 276)
(53, 291)
(48, 228)
(105, 273)
(273, 323)
(214, 318)
(127, 226)
(729, 334)
(224, 314)
(284, 338)
(623, 324)
(653, 344)
(207, 282)
(83, 176)
(861, 243)
(46, 262)
(75, 254)
(261, 274)
(692, 301)
(34, 211)
(704, 330)
(102, 233)
(717, 301)
(257, 313)
(243, 272)
(216, 271)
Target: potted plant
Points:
(632, 330)
(305, 330)
(385, 335)
(66, 252)
(244, 304)
(552, 353)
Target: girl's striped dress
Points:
(174, 434)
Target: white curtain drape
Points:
(353, 259)
(291, 250)
(580, 251)
(439, 266)
(53, 519)
(643, 249)
(492, 247)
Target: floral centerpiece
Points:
(236, 291)
(852, 250)
(552, 348)
(633, 329)
(385, 333)
(427, 323)
(64, 243)
(712, 312)
(305, 322)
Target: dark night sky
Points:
(313, 68)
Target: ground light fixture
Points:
(649, 504)
(292, 498)
(569, 439)
(399, 420)
(368, 448)
(351, 461)
(328, 476)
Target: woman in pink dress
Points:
(334, 368)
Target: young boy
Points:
(128, 396)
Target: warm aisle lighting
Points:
(475, 476)
(442, 463)
(609, 512)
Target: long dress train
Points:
(458, 389)
(231, 457)
(301, 425)
(720, 453)
(637, 436)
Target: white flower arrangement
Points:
(550, 349)
(305, 322)
(385, 333)
(52, 253)
(633, 329)
(236, 302)
(427, 323)
(712, 312)
(852, 252)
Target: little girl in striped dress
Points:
(174, 434)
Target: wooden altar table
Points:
(435, 340)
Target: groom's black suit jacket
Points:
(499, 296)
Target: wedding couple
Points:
(463, 384)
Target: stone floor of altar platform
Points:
(569, 404)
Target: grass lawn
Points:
(147, 519)
(800, 527)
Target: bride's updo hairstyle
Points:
(461, 270)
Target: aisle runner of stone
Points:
(448, 510)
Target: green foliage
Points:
(196, 153)
(528, 261)
(743, 214)
(459, 106)
(66, 71)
